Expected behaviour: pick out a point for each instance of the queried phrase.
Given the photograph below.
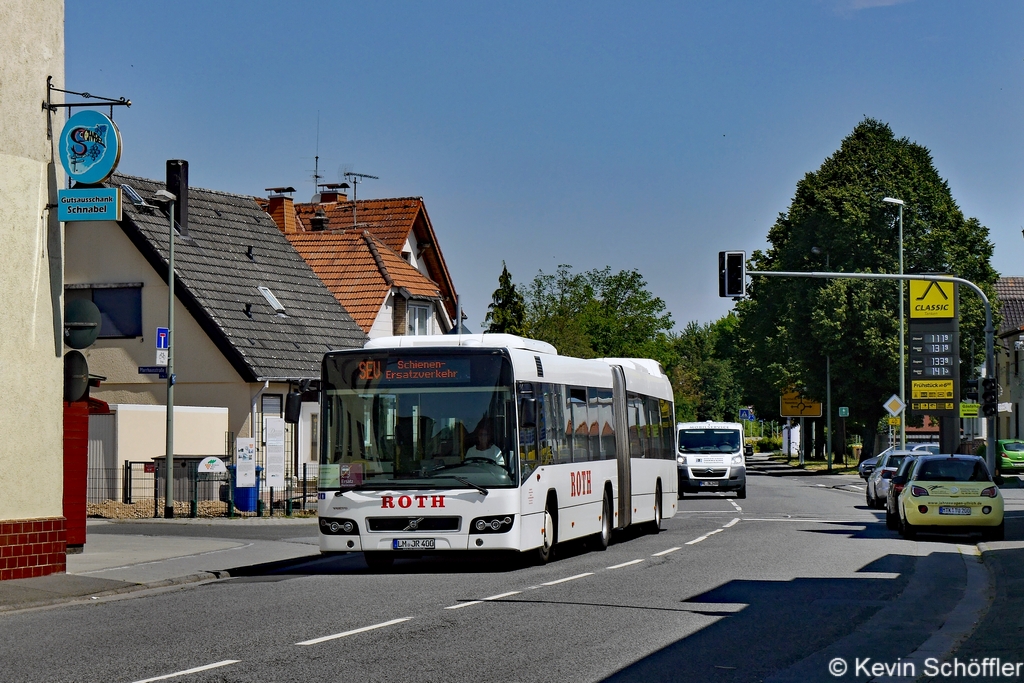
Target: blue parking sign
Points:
(162, 337)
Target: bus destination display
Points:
(415, 370)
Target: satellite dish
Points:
(82, 322)
(76, 376)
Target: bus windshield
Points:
(409, 419)
(709, 440)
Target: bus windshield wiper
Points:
(465, 481)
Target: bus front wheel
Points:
(548, 533)
(604, 537)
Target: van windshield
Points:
(709, 440)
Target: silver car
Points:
(878, 483)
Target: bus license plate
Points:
(413, 544)
(709, 483)
(943, 510)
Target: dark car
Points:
(867, 466)
(892, 497)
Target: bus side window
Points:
(653, 428)
(668, 429)
(593, 424)
(580, 424)
(606, 413)
(635, 411)
(562, 427)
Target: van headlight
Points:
(737, 459)
(681, 459)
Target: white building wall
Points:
(31, 262)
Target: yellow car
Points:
(950, 493)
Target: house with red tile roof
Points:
(378, 257)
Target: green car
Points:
(1011, 455)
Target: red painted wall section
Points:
(32, 547)
(76, 472)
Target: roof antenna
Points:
(356, 178)
(316, 159)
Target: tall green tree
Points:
(837, 220)
(598, 313)
(507, 310)
(702, 376)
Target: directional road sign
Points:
(793, 404)
(162, 338)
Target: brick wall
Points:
(32, 547)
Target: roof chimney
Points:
(177, 184)
(332, 192)
(319, 221)
(282, 209)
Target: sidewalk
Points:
(144, 557)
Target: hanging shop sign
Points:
(92, 204)
(90, 147)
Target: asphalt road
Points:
(766, 588)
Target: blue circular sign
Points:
(90, 147)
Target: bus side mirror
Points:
(527, 412)
(292, 407)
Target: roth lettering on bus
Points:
(388, 502)
(404, 502)
(437, 501)
(580, 483)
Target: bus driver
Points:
(485, 448)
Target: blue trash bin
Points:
(245, 496)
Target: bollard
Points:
(193, 505)
(231, 496)
(271, 501)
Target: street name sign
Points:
(153, 370)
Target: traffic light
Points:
(972, 390)
(732, 272)
(990, 396)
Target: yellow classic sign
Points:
(932, 299)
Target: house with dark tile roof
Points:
(1009, 355)
(252, 320)
(388, 271)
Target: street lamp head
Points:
(816, 251)
(892, 200)
(163, 197)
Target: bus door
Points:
(625, 501)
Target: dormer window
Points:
(407, 257)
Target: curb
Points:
(134, 588)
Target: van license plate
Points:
(943, 510)
(709, 483)
(413, 544)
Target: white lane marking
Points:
(854, 486)
(811, 521)
(364, 629)
(477, 602)
(568, 578)
(190, 671)
(736, 505)
(704, 537)
(822, 486)
(665, 552)
(624, 564)
(732, 523)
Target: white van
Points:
(710, 457)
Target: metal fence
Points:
(137, 490)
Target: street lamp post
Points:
(903, 398)
(828, 383)
(163, 196)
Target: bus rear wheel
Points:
(604, 537)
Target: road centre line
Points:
(666, 552)
(624, 564)
(568, 578)
(477, 602)
(196, 670)
(353, 632)
(732, 523)
(736, 505)
(704, 537)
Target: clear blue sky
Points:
(635, 135)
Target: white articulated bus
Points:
(489, 442)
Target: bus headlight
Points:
(492, 525)
(338, 527)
